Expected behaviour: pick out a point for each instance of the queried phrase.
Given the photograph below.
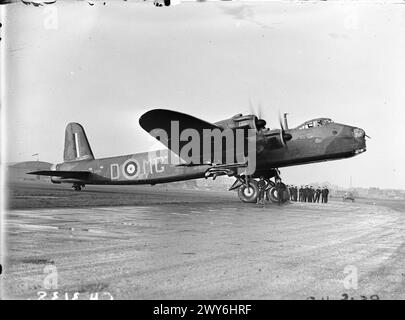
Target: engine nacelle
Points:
(238, 121)
(277, 138)
(57, 180)
(277, 142)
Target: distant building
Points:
(18, 171)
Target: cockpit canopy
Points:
(319, 122)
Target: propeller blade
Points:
(282, 138)
(259, 107)
(260, 123)
(251, 109)
(280, 120)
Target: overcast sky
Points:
(103, 66)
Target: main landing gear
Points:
(77, 186)
(248, 190)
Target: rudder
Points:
(77, 146)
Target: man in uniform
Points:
(306, 193)
(290, 190)
(301, 194)
(295, 193)
(325, 194)
(282, 191)
(317, 194)
(261, 184)
(310, 194)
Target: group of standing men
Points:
(308, 194)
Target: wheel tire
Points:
(248, 194)
(270, 185)
(272, 194)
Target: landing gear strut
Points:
(247, 188)
(77, 186)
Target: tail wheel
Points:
(248, 193)
(77, 187)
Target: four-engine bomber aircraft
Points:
(313, 141)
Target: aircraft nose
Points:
(359, 136)
(359, 133)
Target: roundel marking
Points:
(130, 169)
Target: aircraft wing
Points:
(164, 119)
(80, 175)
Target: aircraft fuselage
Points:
(307, 145)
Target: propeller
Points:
(260, 123)
(284, 137)
(280, 120)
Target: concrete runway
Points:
(207, 248)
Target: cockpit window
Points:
(315, 123)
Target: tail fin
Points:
(76, 145)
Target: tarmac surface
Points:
(176, 244)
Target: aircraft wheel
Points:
(248, 194)
(76, 187)
(270, 184)
(273, 195)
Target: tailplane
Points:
(77, 146)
